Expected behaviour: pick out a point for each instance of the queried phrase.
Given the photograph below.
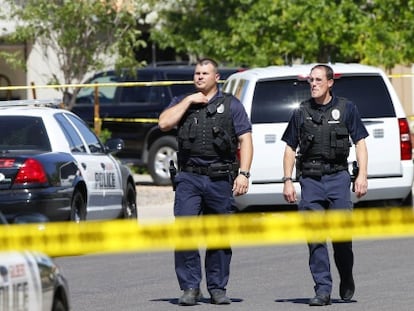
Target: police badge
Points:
(336, 114)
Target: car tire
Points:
(78, 207)
(58, 305)
(408, 201)
(161, 152)
(129, 203)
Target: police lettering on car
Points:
(105, 180)
(14, 286)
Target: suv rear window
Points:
(23, 133)
(180, 89)
(274, 100)
(140, 94)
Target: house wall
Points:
(40, 67)
(10, 76)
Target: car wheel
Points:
(78, 207)
(161, 152)
(129, 203)
(408, 201)
(58, 305)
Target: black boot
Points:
(218, 297)
(190, 297)
(347, 288)
(320, 300)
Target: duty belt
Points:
(201, 170)
(215, 170)
(329, 168)
(318, 168)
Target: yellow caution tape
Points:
(131, 120)
(92, 85)
(400, 75)
(59, 239)
(129, 84)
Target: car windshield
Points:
(23, 133)
(274, 100)
(106, 93)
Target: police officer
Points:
(321, 127)
(212, 126)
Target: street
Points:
(262, 278)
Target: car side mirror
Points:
(114, 145)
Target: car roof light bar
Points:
(52, 103)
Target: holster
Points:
(354, 175)
(173, 172)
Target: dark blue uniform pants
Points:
(329, 192)
(195, 195)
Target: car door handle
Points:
(103, 165)
(83, 165)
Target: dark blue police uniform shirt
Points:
(241, 121)
(352, 119)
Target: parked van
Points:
(270, 94)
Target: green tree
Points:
(267, 32)
(386, 37)
(195, 27)
(82, 34)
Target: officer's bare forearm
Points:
(246, 151)
(288, 161)
(362, 157)
(170, 117)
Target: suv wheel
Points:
(161, 152)
(408, 201)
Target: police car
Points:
(31, 281)
(53, 165)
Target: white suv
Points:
(269, 96)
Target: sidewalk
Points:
(154, 203)
(156, 212)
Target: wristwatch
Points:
(285, 179)
(245, 173)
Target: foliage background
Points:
(85, 33)
(269, 32)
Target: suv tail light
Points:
(31, 172)
(405, 139)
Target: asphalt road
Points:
(262, 278)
